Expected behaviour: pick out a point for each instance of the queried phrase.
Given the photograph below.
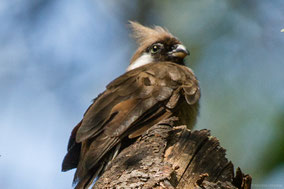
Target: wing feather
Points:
(131, 104)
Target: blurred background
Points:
(57, 55)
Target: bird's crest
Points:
(145, 36)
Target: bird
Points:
(156, 85)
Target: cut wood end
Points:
(185, 159)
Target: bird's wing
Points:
(131, 104)
(71, 159)
(124, 102)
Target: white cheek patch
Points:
(141, 61)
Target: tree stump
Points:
(169, 156)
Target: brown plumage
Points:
(158, 85)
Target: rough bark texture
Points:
(169, 156)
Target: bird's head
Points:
(155, 45)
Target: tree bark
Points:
(169, 156)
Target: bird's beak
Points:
(179, 52)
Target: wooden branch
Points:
(169, 156)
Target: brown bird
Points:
(157, 85)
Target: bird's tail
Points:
(91, 176)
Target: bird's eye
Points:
(155, 49)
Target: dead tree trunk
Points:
(169, 156)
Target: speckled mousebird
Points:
(156, 85)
